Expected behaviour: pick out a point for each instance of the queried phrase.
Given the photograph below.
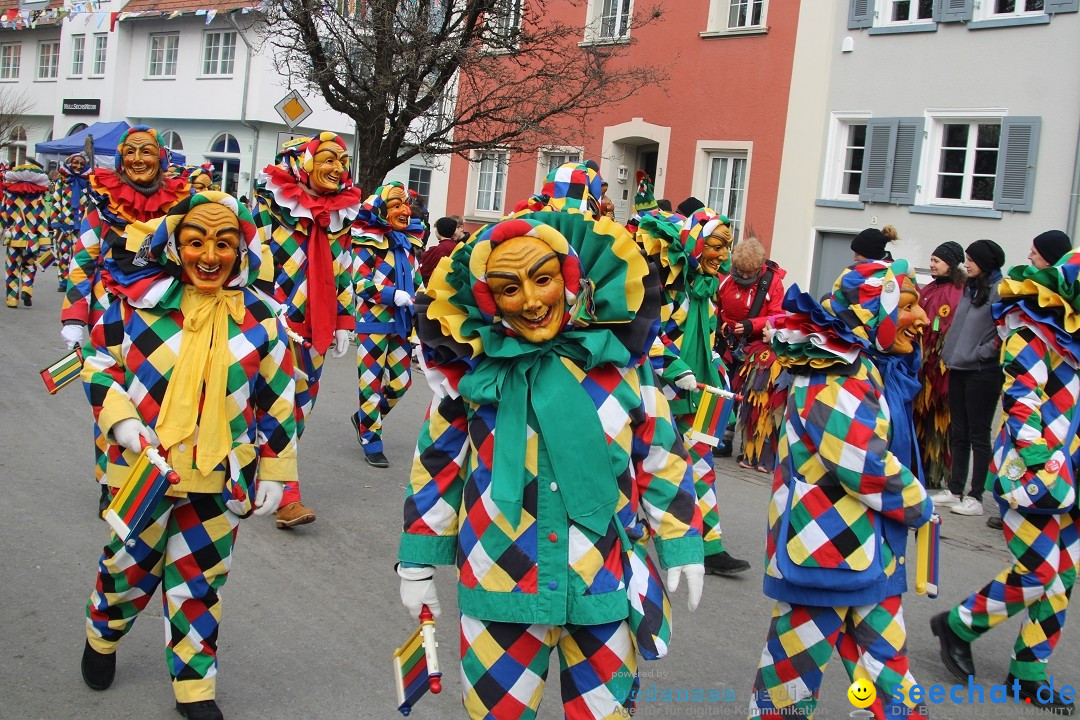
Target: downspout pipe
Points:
(243, 108)
(1074, 193)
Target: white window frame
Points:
(101, 55)
(173, 141)
(214, 67)
(16, 146)
(544, 155)
(837, 154)
(495, 208)
(706, 152)
(78, 56)
(883, 15)
(719, 22)
(986, 10)
(506, 20)
(931, 155)
(10, 61)
(48, 60)
(169, 43)
(224, 157)
(598, 10)
(420, 181)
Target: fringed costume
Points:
(939, 299)
(23, 218)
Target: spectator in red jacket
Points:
(747, 297)
(446, 232)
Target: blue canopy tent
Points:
(106, 136)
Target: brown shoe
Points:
(294, 514)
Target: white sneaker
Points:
(944, 497)
(968, 506)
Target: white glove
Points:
(686, 381)
(418, 589)
(130, 433)
(341, 344)
(72, 335)
(268, 496)
(402, 298)
(695, 582)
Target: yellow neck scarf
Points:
(201, 371)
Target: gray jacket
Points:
(972, 342)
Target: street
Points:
(312, 615)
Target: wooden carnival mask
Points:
(140, 158)
(911, 320)
(398, 210)
(328, 167)
(208, 240)
(526, 281)
(716, 250)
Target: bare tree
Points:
(439, 77)
(13, 106)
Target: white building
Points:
(948, 119)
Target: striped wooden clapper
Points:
(416, 665)
(46, 257)
(63, 371)
(928, 557)
(712, 416)
(131, 508)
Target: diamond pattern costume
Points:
(70, 201)
(541, 498)
(1033, 468)
(247, 390)
(384, 262)
(844, 496)
(24, 220)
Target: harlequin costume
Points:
(939, 298)
(760, 379)
(114, 204)
(308, 236)
(211, 375)
(542, 515)
(844, 497)
(25, 226)
(1033, 478)
(674, 245)
(70, 200)
(385, 262)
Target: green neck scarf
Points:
(524, 378)
(695, 349)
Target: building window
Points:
(48, 60)
(844, 173)
(101, 45)
(164, 48)
(967, 160)
(219, 53)
(609, 20)
(78, 55)
(1010, 8)
(172, 140)
(224, 153)
(727, 188)
(420, 181)
(504, 22)
(906, 11)
(489, 171)
(746, 14)
(76, 128)
(16, 146)
(9, 60)
(557, 159)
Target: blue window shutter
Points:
(954, 10)
(905, 169)
(878, 159)
(1060, 6)
(860, 14)
(1014, 188)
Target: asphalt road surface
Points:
(312, 615)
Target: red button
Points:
(553, 537)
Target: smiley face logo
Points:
(862, 693)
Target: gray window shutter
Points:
(905, 169)
(1060, 6)
(954, 10)
(860, 14)
(878, 159)
(1015, 185)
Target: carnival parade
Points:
(445, 425)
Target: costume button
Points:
(1033, 489)
(181, 447)
(901, 561)
(553, 585)
(553, 537)
(554, 486)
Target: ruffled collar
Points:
(122, 204)
(295, 203)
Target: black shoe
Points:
(1050, 701)
(356, 426)
(993, 522)
(98, 670)
(62, 287)
(201, 710)
(723, 450)
(27, 300)
(103, 501)
(376, 459)
(955, 651)
(724, 564)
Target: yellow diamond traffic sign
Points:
(293, 109)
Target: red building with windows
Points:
(714, 131)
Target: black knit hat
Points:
(445, 227)
(870, 243)
(689, 206)
(951, 252)
(1052, 245)
(987, 254)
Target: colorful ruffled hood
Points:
(1047, 300)
(195, 172)
(164, 156)
(27, 178)
(573, 187)
(67, 174)
(297, 158)
(372, 216)
(676, 242)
